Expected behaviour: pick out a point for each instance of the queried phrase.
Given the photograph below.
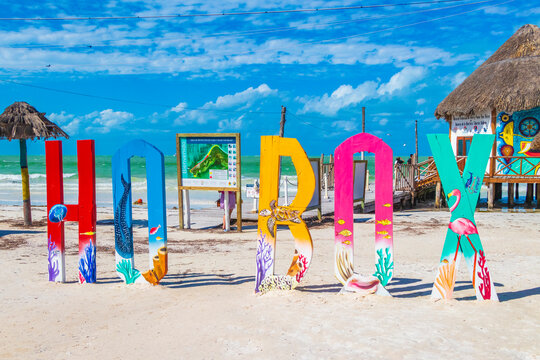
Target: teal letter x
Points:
(462, 235)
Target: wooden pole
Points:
(510, 194)
(282, 122)
(363, 127)
(491, 196)
(529, 196)
(180, 191)
(27, 208)
(537, 195)
(331, 172)
(517, 191)
(438, 195)
(498, 191)
(416, 139)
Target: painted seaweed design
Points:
(264, 259)
(122, 233)
(87, 264)
(485, 286)
(53, 260)
(384, 267)
(302, 261)
(446, 279)
(130, 274)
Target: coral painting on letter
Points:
(462, 234)
(157, 220)
(343, 212)
(84, 212)
(271, 214)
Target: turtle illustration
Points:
(279, 213)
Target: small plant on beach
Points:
(130, 274)
(384, 267)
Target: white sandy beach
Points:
(205, 308)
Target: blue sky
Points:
(233, 73)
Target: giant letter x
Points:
(462, 235)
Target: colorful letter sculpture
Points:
(343, 215)
(84, 212)
(157, 219)
(271, 214)
(462, 235)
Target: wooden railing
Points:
(512, 168)
(404, 177)
(501, 169)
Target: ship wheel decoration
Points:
(529, 127)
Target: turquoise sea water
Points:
(10, 179)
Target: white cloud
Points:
(345, 125)
(497, 10)
(246, 97)
(346, 95)
(342, 97)
(241, 100)
(97, 121)
(383, 121)
(180, 107)
(108, 119)
(420, 101)
(401, 80)
(231, 124)
(125, 49)
(458, 79)
(419, 113)
(529, 12)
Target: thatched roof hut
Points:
(509, 80)
(21, 120)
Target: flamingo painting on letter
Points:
(462, 227)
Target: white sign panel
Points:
(360, 168)
(316, 199)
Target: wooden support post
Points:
(510, 194)
(188, 209)
(517, 191)
(239, 211)
(282, 122)
(491, 196)
(498, 191)
(529, 196)
(537, 195)
(27, 208)
(438, 195)
(331, 172)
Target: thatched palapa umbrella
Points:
(509, 80)
(22, 121)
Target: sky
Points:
(115, 80)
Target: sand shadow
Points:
(514, 295)
(425, 290)
(200, 279)
(135, 223)
(14, 232)
(361, 220)
(109, 280)
(326, 288)
(105, 222)
(249, 227)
